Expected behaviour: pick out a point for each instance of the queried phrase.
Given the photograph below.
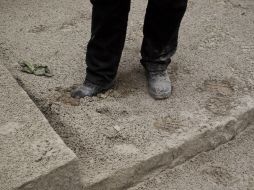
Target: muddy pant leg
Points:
(162, 22)
(109, 24)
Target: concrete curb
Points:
(33, 156)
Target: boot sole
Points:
(160, 96)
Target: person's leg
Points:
(162, 22)
(109, 25)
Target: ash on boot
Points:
(159, 84)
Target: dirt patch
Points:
(251, 184)
(212, 41)
(245, 5)
(64, 96)
(68, 25)
(168, 124)
(223, 87)
(38, 29)
(219, 105)
(219, 175)
(220, 96)
(4, 51)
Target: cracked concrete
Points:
(122, 135)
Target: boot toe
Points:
(160, 91)
(81, 92)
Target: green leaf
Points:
(27, 67)
(38, 70)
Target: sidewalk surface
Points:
(124, 134)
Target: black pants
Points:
(109, 24)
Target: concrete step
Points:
(123, 135)
(228, 167)
(33, 156)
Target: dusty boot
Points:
(159, 85)
(90, 89)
